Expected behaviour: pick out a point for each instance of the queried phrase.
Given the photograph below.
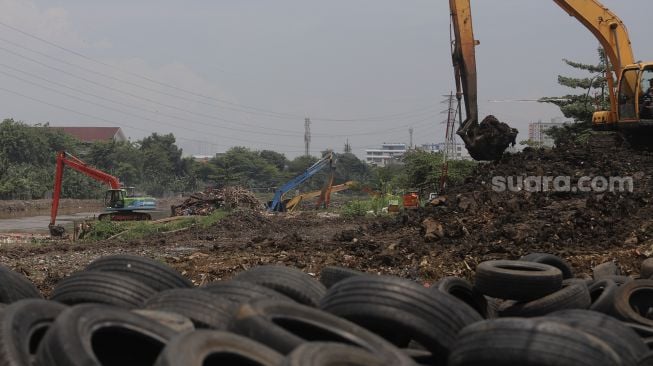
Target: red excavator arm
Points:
(63, 159)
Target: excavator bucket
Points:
(56, 230)
(487, 140)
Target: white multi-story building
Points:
(386, 154)
(537, 131)
(459, 150)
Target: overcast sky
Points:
(226, 73)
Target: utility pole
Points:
(450, 134)
(410, 131)
(307, 136)
(449, 141)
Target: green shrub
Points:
(101, 230)
(356, 208)
(104, 229)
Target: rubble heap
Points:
(484, 214)
(205, 202)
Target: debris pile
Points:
(205, 202)
(543, 199)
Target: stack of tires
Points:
(130, 310)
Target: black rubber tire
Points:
(241, 291)
(633, 299)
(203, 308)
(330, 275)
(22, 327)
(643, 330)
(101, 288)
(493, 305)
(522, 341)
(602, 293)
(284, 326)
(646, 360)
(550, 259)
(646, 268)
(618, 279)
(291, 282)
(623, 340)
(517, 280)
(420, 356)
(14, 286)
(391, 306)
(174, 321)
(605, 269)
(571, 297)
(331, 354)
(210, 347)
(157, 275)
(463, 290)
(89, 334)
(570, 281)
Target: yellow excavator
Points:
(631, 110)
(295, 201)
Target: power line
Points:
(178, 118)
(123, 92)
(119, 103)
(241, 107)
(122, 124)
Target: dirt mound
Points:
(203, 203)
(502, 209)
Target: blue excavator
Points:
(277, 203)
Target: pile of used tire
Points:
(129, 310)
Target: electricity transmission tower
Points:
(307, 136)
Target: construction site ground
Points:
(471, 223)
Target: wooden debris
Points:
(204, 203)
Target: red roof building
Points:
(92, 134)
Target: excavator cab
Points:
(115, 198)
(636, 94)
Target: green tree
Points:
(350, 167)
(300, 164)
(277, 159)
(164, 170)
(24, 144)
(242, 166)
(595, 93)
(423, 170)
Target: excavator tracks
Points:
(125, 216)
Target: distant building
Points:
(537, 131)
(202, 158)
(93, 134)
(459, 150)
(388, 153)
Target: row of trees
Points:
(27, 161)
(155, 165)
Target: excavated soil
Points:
(469, 224)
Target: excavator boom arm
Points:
(66, 159)
(276, 204)
(464, 59)
(611, 33)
